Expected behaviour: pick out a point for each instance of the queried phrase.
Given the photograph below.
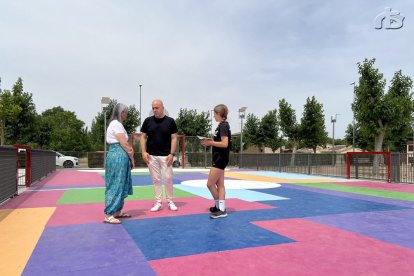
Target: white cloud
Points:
(196, 54)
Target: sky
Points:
(195, 54)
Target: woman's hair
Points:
(222, 110)
(116, 112)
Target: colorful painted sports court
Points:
(278, 224)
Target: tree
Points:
(313, 123)
(251, 130)
(269, 130)
(190, 123)
(379, 113)
(19, 129)
(133, 120)
(236, 144)
(288, 124)
(360, 142)
(60, 130)
(9, 111)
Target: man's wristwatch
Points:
(173, 154)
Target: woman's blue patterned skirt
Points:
(117, 179)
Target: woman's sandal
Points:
(112, 220)
(123, 215)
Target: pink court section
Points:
(319, 250)
(404, 188)
(93, 212)
(34, 199)
(71, 178)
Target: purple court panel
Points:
(88, 249)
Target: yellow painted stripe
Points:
(20, 230)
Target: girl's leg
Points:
(221, 192)
(220, 186)
(213, 178)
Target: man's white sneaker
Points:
(157, 206)
(172, 206)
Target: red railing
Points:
(27, 163)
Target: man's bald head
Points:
(158, 108)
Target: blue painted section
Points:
(242, 194)
(191, 176)
(196, 234)
(87, 249)
(306, 204)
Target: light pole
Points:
(211, 121)
(104, 103)
(353, 121)
(333, 121)
(242, 114)
(140, 114)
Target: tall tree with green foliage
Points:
(20, 129)
(289, 125)
(236, 144)
(313, 124)
(251, 131)
(360, 142)
(61, 130)
(269, 130)
(9, 111)
(190, 123)
(379, 113)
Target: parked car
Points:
(176, 162)
(66, 161)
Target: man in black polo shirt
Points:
(158, 144)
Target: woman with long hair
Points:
(118, 165)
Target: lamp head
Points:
(105, 100)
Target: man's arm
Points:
(174, 142)
(143, 144)
(170, 158)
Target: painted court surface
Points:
(278, 224)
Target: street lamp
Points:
(242, 114)
(353, 122)
(140, 114)
(104, 103)
(333, 121)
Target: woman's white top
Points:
(115, 127)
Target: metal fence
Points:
(401, 169)
(8, 172)
(43, 162)
(312, 164)
(20, 166)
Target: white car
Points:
(66, 161)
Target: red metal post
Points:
(389, 166)
(28, 177)
(348, 165)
